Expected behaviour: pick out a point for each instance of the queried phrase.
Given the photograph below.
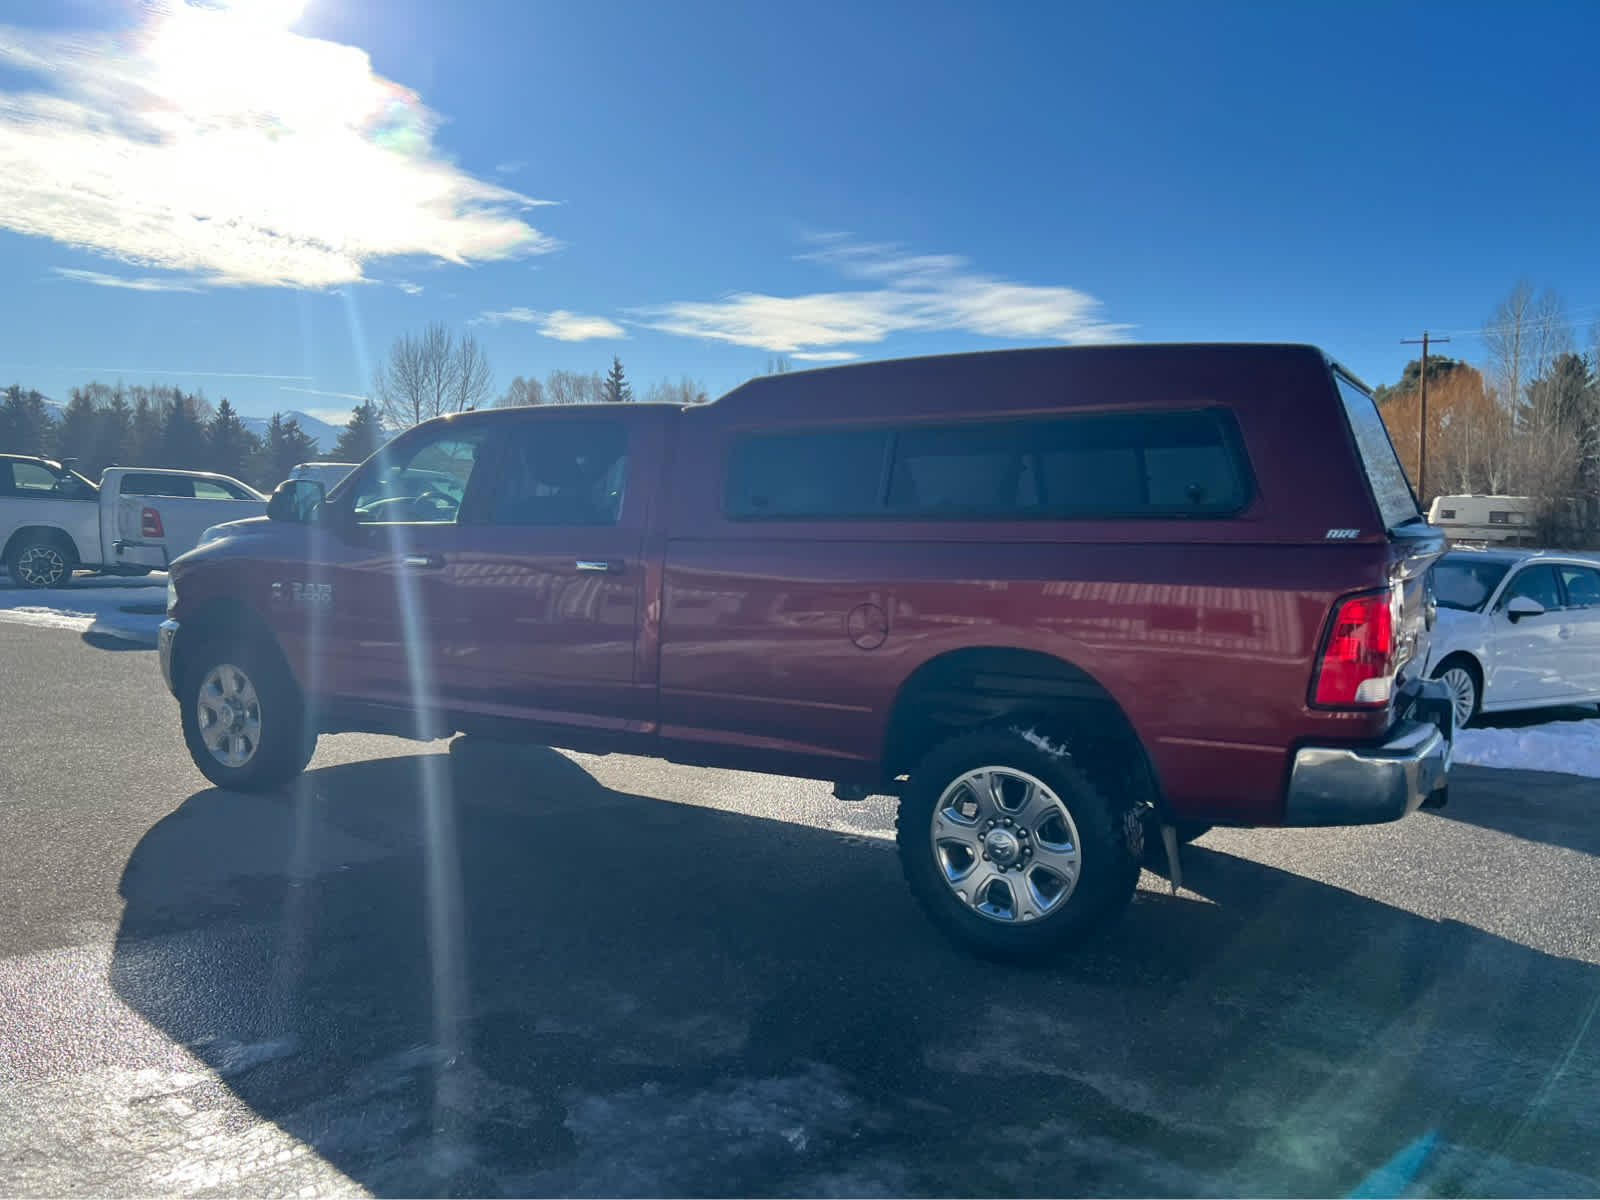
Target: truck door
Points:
(550, 580)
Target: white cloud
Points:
(409, 288)
(561, 325)
(571, 327)
(517, 316)
(913, 294)
(511, 167)
(217, 144)
(825, 356)
(144, 283)
(319, 392)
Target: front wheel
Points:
(1010, 847)
(243, 718)
(1461, 679)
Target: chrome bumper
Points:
(165, 636)
(1371, 784)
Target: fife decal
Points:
(303, 595)
(1343, 535)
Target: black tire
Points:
(284, 742)
(41, 560)
(1109, 834)
(1474, 674)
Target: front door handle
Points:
(425, 562)
(595, 564)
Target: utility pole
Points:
(1422, 421)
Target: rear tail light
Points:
(150, 524)
(1358, 658)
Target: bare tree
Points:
(522, 393)
(684, 392)
(573, 387)
(1505, 338)
(1524, 335)
(1549, 333)
(430, 374)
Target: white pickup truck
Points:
(53, 521)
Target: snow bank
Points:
(97, 604)
(1571, 747)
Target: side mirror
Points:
(1523, 606)
(296, 500)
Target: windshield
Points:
(1465, 583)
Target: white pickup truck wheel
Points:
(40, 561)
(1010, 848)
(243, 717)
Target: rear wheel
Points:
(243, 718)
(1011, 849)
(41, 560)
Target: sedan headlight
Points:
(172, 595)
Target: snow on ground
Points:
(1572, 747)
(129, 609)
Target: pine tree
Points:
(284, 447)
(230, 445)
(616, 389)
(144, 436)
(183, 437)
(362, 436)
(113, 433)
(75, 435)
(25, 426)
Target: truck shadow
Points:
(1537, 806)
(486, 973)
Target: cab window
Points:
(423, 483)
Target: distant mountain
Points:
(324, 434)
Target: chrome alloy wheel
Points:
(229, 715)
(1005, 844)
(1463, 693)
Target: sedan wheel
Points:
(1463, 690)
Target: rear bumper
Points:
(1342, 785)
(165, 637)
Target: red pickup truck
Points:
(1049, 598)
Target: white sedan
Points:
(1517, 629)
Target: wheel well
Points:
(220, 619)
(48, 532)
(1473, 666)
(968, 689)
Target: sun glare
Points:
(273, 14)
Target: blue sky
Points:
(257, 197)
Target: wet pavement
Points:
(460, 969)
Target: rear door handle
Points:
(425, 562)
(595, 564)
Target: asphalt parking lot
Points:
(460, 969)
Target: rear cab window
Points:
(1397, 505)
